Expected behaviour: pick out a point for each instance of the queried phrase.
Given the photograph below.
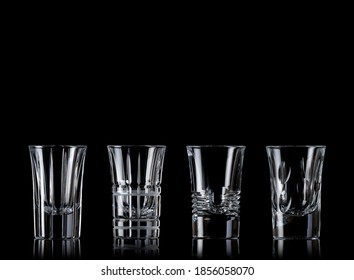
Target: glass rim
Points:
(136, 146)
(294, 146)
(216, 146)
(53, 146)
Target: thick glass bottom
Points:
(296, 227)
(215, 226)
(60, 226)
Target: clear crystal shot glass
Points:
(136, 173)
(57, 175)
(216, 175)
(296, 183)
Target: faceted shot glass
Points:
(216, 175)
(136, 173)
(296, 181)
(57, 175)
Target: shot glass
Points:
(57, 176)
(136, 173)
(296, 182)
(216, 175)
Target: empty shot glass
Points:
(136, 173)
(296, 181)
(216, 175)
(57, 175)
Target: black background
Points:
(89, 90)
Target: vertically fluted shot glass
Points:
(57, 175)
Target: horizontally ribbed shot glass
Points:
(216, 175)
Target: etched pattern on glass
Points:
(296, 180)
(136, 173)
(216, 185)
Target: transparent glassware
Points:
(57, 176)
(216, 175)
(296, 183)
(136, 173)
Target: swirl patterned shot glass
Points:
(216, 175)
(57, 173)
(136, 173)
(296, 181)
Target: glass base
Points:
(136, 228)
(57, 227)
(296, 227)
(215, 226)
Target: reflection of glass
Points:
(215, 248)
(296, 249)
(296, 180)
(131, 248)
(216, 175)
(56, 249)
